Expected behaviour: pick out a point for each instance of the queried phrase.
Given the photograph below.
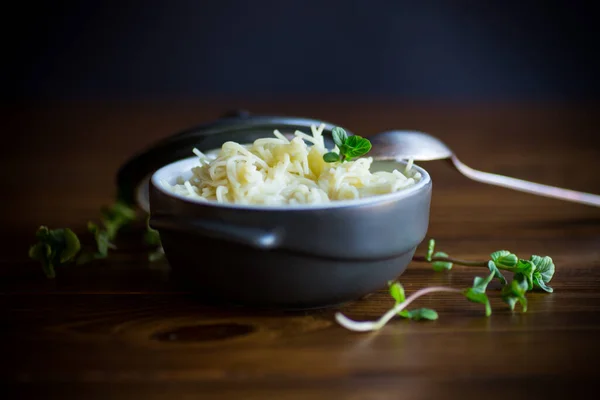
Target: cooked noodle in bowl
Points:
(279, 171)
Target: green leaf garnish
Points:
(339, 136)
(544, 271)
(61, 246)
(441, 265)
(355, 146)
(350, 147)
(72, 246)
(534, 273)
(419, 314)
(331, 157)
(54, 248)
(115, 217)
(493, 268)
(504, 258)
(526, 268)
(515, 292)
(481, 298)
(397, 292)
(476, 293)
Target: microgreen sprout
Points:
(531, 274)
(537, 271)
(54, 247)
(112, 220)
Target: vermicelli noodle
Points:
(279, 171)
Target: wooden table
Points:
(114, 329)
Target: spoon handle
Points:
(525, 186)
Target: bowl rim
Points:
(182, 166)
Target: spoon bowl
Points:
(420, 146)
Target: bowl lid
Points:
(240, 126)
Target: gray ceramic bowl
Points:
(291, 257)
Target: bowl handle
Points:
(263, 239)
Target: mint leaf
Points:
(492, 267)
(355, 146)
(439, 266)
(339, 136)
(504, 258)
(331, 157)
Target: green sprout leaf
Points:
(515, 292)
(504, 258)
(538, 283)
(480, 284)
(42, 233)
(493, 268)
(339, 136)
(544, 271)
(54, 248)
(527, 274)
(481, 298)
(72, 246)
(430, 250)
(115, 217)
(419, 314)
(397, 292)
(439, 266)
(331, 157)
(476, 294)
(102, 240)
(526, 268)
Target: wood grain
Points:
(117, 329)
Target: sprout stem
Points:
(453, 261)
(365, 326)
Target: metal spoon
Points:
(419, 146)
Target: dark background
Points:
(444, 51)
